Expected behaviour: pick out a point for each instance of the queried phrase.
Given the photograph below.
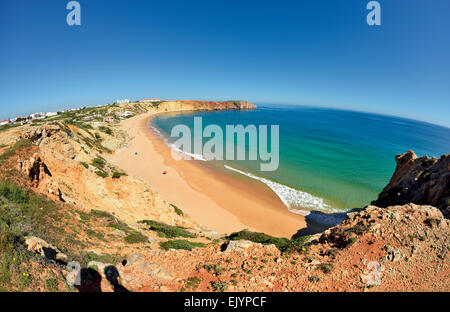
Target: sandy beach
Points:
(215, 200)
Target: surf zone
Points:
(231, 146)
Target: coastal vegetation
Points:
(24, 213)
(180, 244)
(13, 149)
(167, 231)
(214, 268)
(135, 238)
(178, 211)
(192, 283)
(219, 286)
(285, 245)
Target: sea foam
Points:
(172, 146)
(292, 198)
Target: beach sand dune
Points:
(220, 202)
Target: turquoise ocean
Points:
(330, 160)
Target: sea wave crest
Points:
(292, 198)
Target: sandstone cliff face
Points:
(55, 170)
(205, 105)
(424, 181)
(40, 176)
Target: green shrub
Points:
(85, 165)
(98, 163)
(93, 234)
(213, 267)
(51, 284)
(192, 283)
(314, 279)
(168, 231)
(24, 281)
(13, 192)
(331, 251)
(13, 149)
(83, 216)
(102, 174)
(178, 211)
(118, 225)
(326, 267)
(105, 129)
(102, 214)
(283, 244)
(350, 241)
(117, 175)
(135, 237)
(219, 286)
(180, 244)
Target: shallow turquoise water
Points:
(329, 159)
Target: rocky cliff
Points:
(59, 194)
(423, 181)
(205, 105)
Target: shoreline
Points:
(209, 197)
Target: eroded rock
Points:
(45, 249)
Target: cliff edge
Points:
(59, 192)
(418, 180)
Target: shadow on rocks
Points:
(90, 281)
(112, 275)
(317, 222)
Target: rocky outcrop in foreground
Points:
(401, 248)
(423, 181)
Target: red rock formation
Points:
(40, 176)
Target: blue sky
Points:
(312, 52)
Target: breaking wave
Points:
(292, 198)
(182, 153)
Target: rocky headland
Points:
(62, 200)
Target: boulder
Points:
(238, 246)
(134, 258)
(155, 271)
(45, 249)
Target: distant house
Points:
(4, 122)
(37, 116)
(51, 114)
(125, 101)
(109, 118)
(149, 100)
(126, 114)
